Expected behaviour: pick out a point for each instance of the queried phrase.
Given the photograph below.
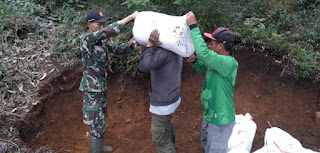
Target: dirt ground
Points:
(285, 101)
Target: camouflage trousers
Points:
(94, 112)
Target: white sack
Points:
(174, 31)
(279, 141)
(242, 135)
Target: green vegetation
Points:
(36, 33)
(289, 31)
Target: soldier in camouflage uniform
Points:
(95, 47)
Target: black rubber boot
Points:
(96, 146)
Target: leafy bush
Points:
(20, 8)
(53, 5)
(126, 63)
(65, 39)
(17, 19)
(282, 30)
(288, 30)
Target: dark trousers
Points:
(163, 133)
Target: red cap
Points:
(222, 35)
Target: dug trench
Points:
(261, 89)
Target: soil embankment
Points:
(286, 102)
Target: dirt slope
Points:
(285, 101)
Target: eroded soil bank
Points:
(285, 101)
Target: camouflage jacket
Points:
(94, 48)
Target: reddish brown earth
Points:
(286, 102)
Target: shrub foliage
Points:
(287, 30)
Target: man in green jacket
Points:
(217, 99)
(95, 46)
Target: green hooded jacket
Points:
(218, 87)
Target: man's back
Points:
(165, 68)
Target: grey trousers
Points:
(163, 133)
(214, 138)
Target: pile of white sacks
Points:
(242, 135)
(275, 140)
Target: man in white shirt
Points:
(165, 68)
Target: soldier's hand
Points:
(134, 15)
(129, 18)
(131, 42)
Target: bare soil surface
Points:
(261, 90)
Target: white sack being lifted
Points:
(174, 31)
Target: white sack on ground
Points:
(279, 141)
(174, 31)
(242, 135)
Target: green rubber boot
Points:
(96, 146)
